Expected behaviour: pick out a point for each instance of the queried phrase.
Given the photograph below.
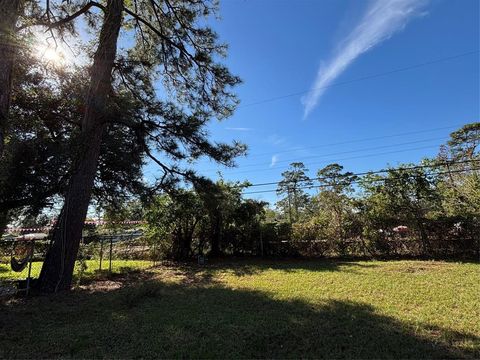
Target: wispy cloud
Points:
(381, 20)
(275, 139)
(274, 160)
(239, 129)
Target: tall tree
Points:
(333, 202)
(292, 186)
(57, 270)
(465, 142)
(173, 45)
(460, 181)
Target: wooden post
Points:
(101, 253)
(30, 267)
(154, 254)
(111, 246)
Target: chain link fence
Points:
(21, 257)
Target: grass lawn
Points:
(93, 266)
(251, 309)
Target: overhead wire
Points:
(367, 77)
(359, 174)
(356, 181)
(340, 159)
(299, 148)
(297, 159)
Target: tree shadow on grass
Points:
(248, 267)
(162, 320)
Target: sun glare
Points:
(49, 53)
(52, 55)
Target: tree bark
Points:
(9, 11)
(57, 270)
(3, 221)
(215, 237)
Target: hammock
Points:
(18, 266)
(25, 254)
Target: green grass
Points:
(93, 266)
(252, 309)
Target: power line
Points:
(411, 67)
(368, 173)
(342, 159)
(341, 152)
(381, 171)
(367, 77)
(360, 140)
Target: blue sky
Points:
(282, 47)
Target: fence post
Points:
(101, 253)
(111, 246)
(154, 254)
(30, 267)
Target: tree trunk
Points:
(289, 207)
(58, 267)
(424, 238)
(3, 221)
(9, 11)
(187, 240)
(295, 202)
(215, 237)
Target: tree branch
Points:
(181, 48)
(65, 20)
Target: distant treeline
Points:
(431, 209)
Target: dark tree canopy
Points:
(150, 101)
(45, 115)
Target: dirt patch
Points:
(109, 282)
(101, 285)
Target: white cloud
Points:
(275, 139)
(382, 19)
(239, 128)
(274, 160)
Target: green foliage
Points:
(172, 221)
(460, 183)
(46, 112)
(465, 142)
(292, 186)
(213, 218)
(432, 209)
(116, 213)
(401, 198)
(427, 210)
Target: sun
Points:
(51, 55)
(49, 50)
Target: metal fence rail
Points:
(109, 252)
